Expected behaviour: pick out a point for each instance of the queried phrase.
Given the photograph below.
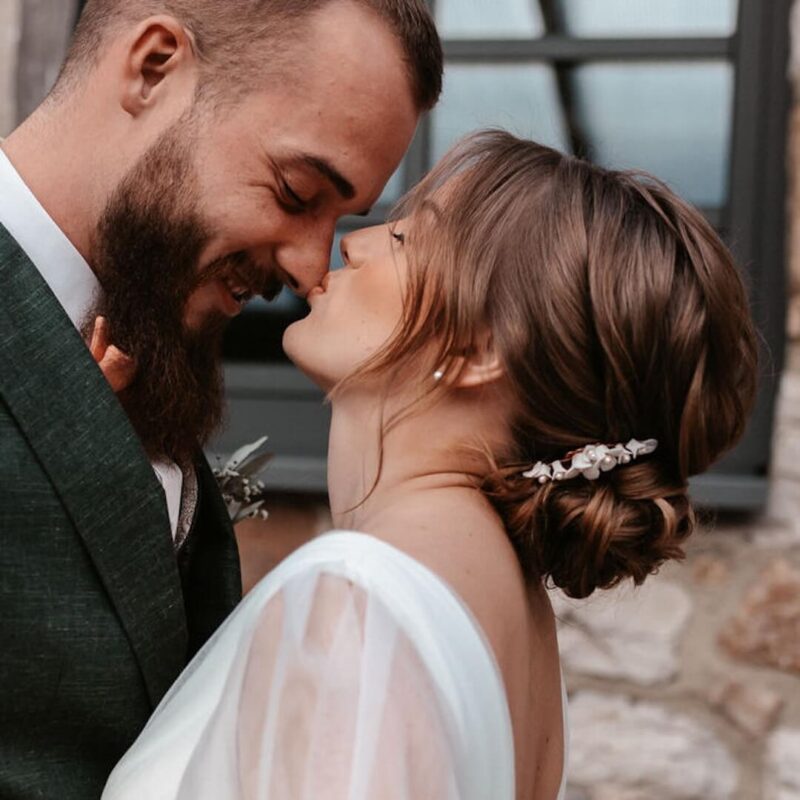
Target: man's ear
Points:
(480, 366)
(160, 48)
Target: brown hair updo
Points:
(618, 313)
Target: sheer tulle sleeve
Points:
(350, 673)
(336, 703)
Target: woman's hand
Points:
(118, 369)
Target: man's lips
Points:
(254, 282)
(232, 302)
(238, 288)
(235, 295)
(239, 279)
(241, 288)
(244, 276)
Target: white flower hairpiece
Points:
(591, 461)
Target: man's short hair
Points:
(226, 32)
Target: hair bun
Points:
(586, 535)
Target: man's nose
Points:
(306, 262)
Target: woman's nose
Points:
(360, 246)
(344, 248)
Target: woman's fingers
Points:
(99, 341)
(118, 368)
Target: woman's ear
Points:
(480, 366)
(161, 49)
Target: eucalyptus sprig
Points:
(242, 490)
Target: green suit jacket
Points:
(96, 619)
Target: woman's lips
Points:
(318, 290)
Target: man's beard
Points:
(146, 255)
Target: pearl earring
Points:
(438, 375)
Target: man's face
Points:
(225, 206)
(278, 171)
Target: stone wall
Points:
(33, 40)
(9, 43)
(689, 687)
(44, 36)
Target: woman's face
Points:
(356, 309)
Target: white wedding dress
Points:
(351, 672)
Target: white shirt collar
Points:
(63, 268)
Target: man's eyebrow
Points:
(327, 170)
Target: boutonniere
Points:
(238, 479)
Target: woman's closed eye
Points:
(398, 237)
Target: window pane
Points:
(673, 120)
(609, 18)
(489, 19)
(336, 253)
(523, 99)
(523, 19)
(395, 187)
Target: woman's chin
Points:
(300, 350)
(293, 340)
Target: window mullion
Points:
(562, 48)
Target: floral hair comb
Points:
(590, 461)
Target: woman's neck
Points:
(433, 451)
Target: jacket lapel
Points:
(88, 449)
(210, 562)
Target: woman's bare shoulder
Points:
(467, 547)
